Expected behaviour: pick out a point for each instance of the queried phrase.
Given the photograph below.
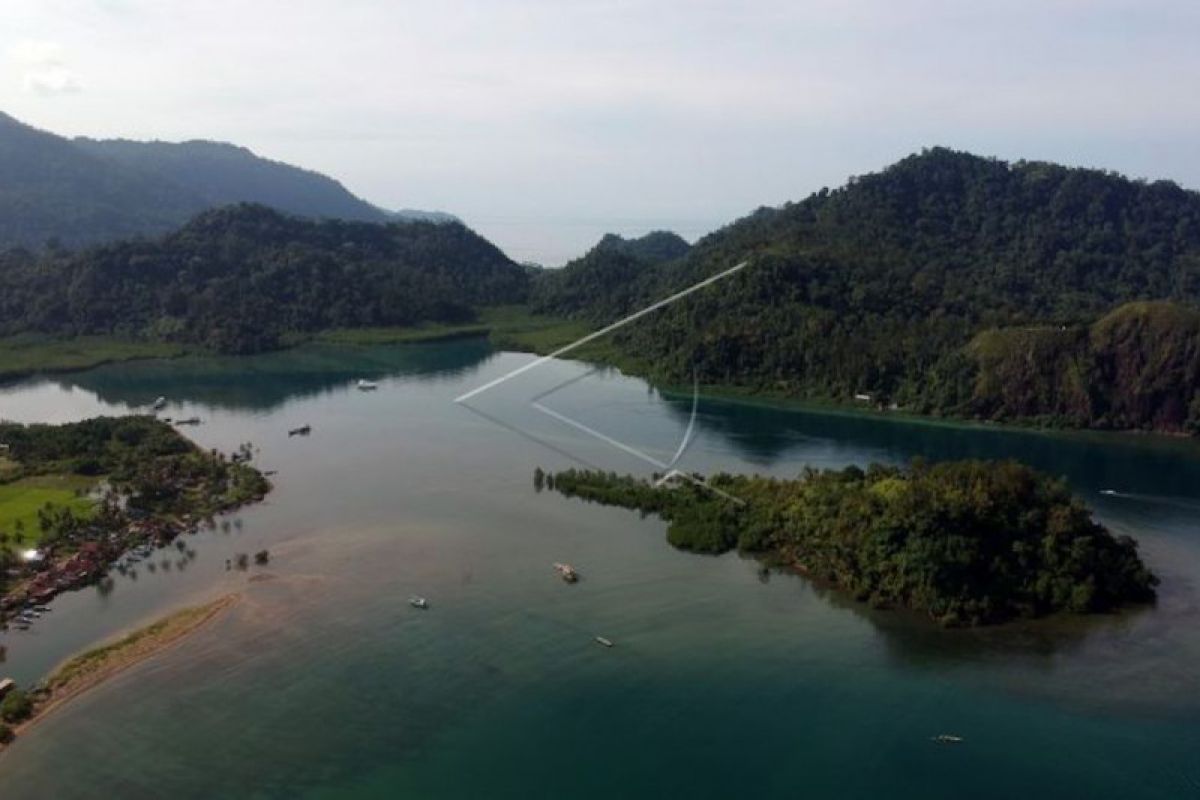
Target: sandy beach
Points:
(91, 668)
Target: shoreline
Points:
(85, 671)
(505, 335)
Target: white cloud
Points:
(55, 80)
(42, 67)
(30, 52)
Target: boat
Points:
(303, 430)
(566, 572)
(365, 385)
(188, 421)
(605, 642)
(1109, 492)
(159, 404)
(948, 738)
(416, 601)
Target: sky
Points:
(545, 123)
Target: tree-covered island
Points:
(967, 542)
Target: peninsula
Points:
(76, 499)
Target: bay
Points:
(324, 683)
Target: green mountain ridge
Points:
(878, 288)
(609, 270)
(83, 191)
(246, 278)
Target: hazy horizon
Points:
(545, 124)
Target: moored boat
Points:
(416, 601)
(566, 572)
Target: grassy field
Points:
(508, 326)
(20, 501)
(412, 335)
(27, 355)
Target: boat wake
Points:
(1185, 503)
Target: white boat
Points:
(365, 385)
(566, 572)
(605, 642)
(159, 404)
(418, 602)
(948, 738)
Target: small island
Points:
(76, 498)
(966, 542)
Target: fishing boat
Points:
(566, 572)
(416, 601)
(605, 642)
(947, 738)
(303, 430)
(365, 385)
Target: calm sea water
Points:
(324, 683)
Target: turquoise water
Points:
(324, 683)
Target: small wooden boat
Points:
(417, 601)
(948, 738)
(600, 640)
(566, 572)
(303, 430)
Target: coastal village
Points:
(148, 487)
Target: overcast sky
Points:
(544, 123)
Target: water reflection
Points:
(1144, 469)
(265, 382)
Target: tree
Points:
(17, 706)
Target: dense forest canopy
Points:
(606, 275)
(240, 279)
(967, 542)
(880, 288)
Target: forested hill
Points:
(243, 278)
(84, 191)
(607, 274)
(880, 287)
